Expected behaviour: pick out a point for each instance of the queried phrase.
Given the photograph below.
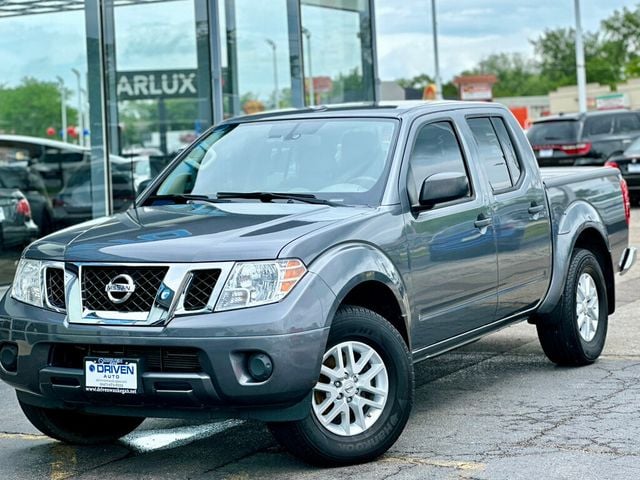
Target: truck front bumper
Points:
(195, 366)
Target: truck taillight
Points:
(577, 149)
(23, 208)
(626, 200)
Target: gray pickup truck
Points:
(293, 267)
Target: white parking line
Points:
(144, 441)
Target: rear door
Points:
(452, 250)
(519, 212)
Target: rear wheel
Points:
(363, 397)
(79, 428)
(576, 331)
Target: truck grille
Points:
(55, 287)
(147, 281)
(154, 359)
(200, 288)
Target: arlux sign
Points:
(147, 84)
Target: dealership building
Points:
(135, 81)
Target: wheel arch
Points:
(579, 227)
(361, 274)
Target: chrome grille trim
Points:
(176, 279)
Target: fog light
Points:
(260, 366)
(9, 357)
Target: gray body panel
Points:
(451, 281)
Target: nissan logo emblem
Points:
(120, 288)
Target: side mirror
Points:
(142, 186)
(443, 187)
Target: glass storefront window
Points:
(160, 95)
(255, 56)
(43, 123)
(127, 84)
(337, 50)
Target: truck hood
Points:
(190, 233)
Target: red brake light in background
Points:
(626, 200)
(577, 149)
(612, 164)
(23, 208)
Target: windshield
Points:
(555, 131)
(339, 160)
(634, 148)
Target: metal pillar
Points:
(436, 56)
(100, 168)
(215, 52)
(580, 68)
(296, 58)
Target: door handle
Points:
(482, 222)
(533, 209)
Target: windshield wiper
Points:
(183, 197)
(270, 196)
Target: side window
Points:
(598, 125)
(513, 164)
(492, 157)
(436, 149)
(627, 122)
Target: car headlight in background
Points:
(257, 283)
(27, 284)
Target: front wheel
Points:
(77, 428)
(363, 397)
(576, 331)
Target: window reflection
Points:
(337, 51)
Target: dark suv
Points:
(583, 139)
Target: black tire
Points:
(559, 334)
(309, 440)
(77, 428)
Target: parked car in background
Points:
(583, 139)
(17, 228)
(73, 204)
(52, 159)
(629, 165)
(30, 183)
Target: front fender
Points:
(347, 265)
(577, 218)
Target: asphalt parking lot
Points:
(495, 409)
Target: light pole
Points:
(580, 69)
(434, 28)
(312, 93)
(63, 108)
(80, 107)
(276, 93)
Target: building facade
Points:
(115, 88)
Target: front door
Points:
(452, 250)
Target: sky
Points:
(162, 35)
(469, 30)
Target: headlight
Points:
(27, 284)
(257, 283)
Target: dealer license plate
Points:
(634, 168)
(546, 153)
(110, 375)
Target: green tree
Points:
(516, 74)
(556, 53)
(622, 30)
(32, 107)
(418, 82)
